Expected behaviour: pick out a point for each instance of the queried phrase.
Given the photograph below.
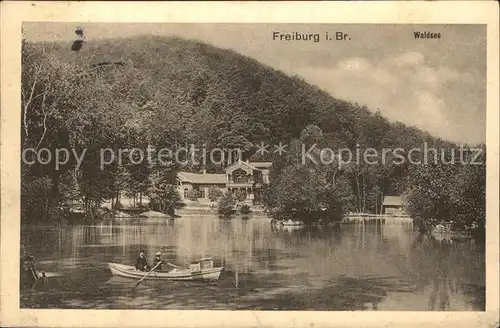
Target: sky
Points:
(438, 85)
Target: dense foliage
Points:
(193, 195)
(245, 209)
(163, 195)
(226, 205)
(214, 194)
(440, 193)
(168, 92)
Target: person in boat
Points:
(142, 262)
(29, 269)
(157, 261)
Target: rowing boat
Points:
(199, 270)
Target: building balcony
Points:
(248, 184)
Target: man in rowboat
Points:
(142, 262)
(29, 267)
(29, 271)
(157, 261)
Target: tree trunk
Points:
(47, 208)
(85, 206)
(52, 198)
(333, 178)
(364, 192)
(358, 203)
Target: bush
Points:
(193, 195)
(240, 195)
(226, 205)
(245, 209)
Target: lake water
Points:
(352, 267)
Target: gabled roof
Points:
(206, 178)
(392, 201)
(240, 165)
(249, 166)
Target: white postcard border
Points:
(414, 12)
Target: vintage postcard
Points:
(249, 164)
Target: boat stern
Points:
(113, 269)
(213, 275)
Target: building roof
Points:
(207, 178)
(240, 165)
(392, 201)
(202, 260)
(261, 165)
(249, 166)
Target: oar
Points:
(34, 273)
(147, 274)
(175, 266)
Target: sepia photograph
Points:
(260, 166)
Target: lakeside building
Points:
(249, 177)
(393, 205)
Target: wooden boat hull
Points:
(288, 223)
(129, 271)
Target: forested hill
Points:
(202, 94)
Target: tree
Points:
(163, 195)
(56, 101)
(34, 198)
(308, 191)
(429, 199)
(468, 195)
(311, 134)
(95, 185)
(226, 204)
(214, 194)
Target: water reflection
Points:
(376, 266)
